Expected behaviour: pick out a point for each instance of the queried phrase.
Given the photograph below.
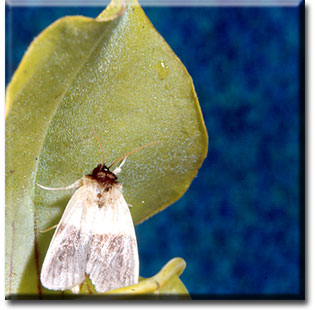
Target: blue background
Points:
(238, 226)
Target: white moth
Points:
(95, 236)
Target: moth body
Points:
(94, 237)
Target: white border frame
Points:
(310, 198)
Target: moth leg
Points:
(48, 229)
(76, 289)
(76, 184)
(118, 169)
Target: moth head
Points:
(103, 175)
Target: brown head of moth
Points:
(95, 235)
(104, 176)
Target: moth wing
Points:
(66, 258)
(113, 260)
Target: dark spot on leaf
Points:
(58, 95)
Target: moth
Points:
(95, 235)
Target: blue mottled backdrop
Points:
(238, 226)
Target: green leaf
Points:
(164, 285)
(118, 74)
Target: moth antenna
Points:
(133, 151)
(99, 142)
